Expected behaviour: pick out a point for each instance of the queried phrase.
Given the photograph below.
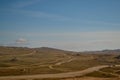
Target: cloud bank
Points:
(77, 41)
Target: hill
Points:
(44, 60)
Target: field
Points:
(15, 61)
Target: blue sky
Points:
(76, 25)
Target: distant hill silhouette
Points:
(20, 50)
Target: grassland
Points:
(31, 61)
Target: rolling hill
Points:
(45, 60)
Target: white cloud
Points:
(21, 41)
(80, 41)
(103, 23)
(95, 35)
(36, 14)
(39, 14)
(25, 3)
(18, 9)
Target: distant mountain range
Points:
(6, 49)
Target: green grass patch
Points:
(4, 65)
(27, 71)
(76, 65)
(111, 70)
(100, 74)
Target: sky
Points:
(75, 25)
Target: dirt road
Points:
(32, 53)
(58, 75)
(61, 62)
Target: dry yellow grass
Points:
(24, 61)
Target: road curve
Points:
(58, 75)
(61, 62)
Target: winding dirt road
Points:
(32, 53)
(58, 75)
(61, 62)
